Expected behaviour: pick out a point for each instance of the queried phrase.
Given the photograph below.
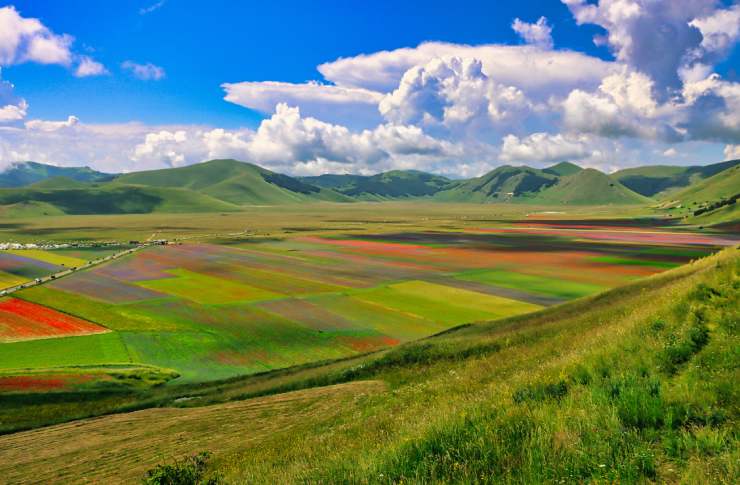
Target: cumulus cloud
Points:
(543, 147)
(732, 152)
(451, 91)
(661, 39)
(537, 72)
(538, 33)
(145, 72)
(89, 67)
(327, 102)
(670, 152)
(26, 39)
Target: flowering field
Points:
(212, 311)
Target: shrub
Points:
(188, 471)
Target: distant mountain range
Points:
(229, 185)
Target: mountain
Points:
(21, 174)
(661, 180)
(233, 182)
(589, 187)
(563, 169)
(388, 185)
(214, 186)
(502, 184)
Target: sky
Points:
(455, 88)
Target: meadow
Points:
(225, 304)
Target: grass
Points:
(205, 289)
(532, 283)
(66, 351)
(634, 385)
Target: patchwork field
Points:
(205, 311)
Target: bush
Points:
(188, 471)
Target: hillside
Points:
(25, 173)
(388, 185)
(635, 385)
(563, 169)
(106, 198)
(589, 187)
(661, 180)
(502, 184)
(233, 182)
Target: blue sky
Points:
(201, 47)
(483, 93)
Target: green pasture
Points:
(620, 261)
(106, 348)
(541, 285)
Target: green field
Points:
(532, 283)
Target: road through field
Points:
(120, 448)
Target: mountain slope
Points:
(504, 183)
(589, 187)
(233, 182)
(25, 173)
(661, 180)
(563, 169)
(108, 199)
(387, 185)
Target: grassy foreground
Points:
(638, 384)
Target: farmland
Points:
(218, 306)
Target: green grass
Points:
(531, 283)
(104, 348)
(206, 289)
(633, 262)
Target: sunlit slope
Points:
(661, 181)
(634, 385)
(233, 182)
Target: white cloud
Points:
(89, 67)
(327, 102)
(543, 147)
(12, 107)
(145, 72)
(659, 38)
(538, 72)
(26, 39)
(44, 125)
(151, 8)
(538, 33)
(671, 152)
(732, 152)
(451, 91)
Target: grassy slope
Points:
(721, 185)
(563, 169)
(26, 173)
(589, 186)
(110, 198)
(662, 180)
(495, 185)
(233, 182)
(637, 384)
(387, 185)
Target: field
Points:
(637, 385)
(218, 306)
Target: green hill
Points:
(502, 184)
(388, 185)
(563, 169)
(589, 187)
(108, 198)
(233, 182)
(25, 173)
(661, 180)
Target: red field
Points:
(22, 320)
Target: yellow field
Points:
(48, 257)
(7, 280)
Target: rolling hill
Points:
(396, 184)
(233, 182)
(589, 187)
(661, 181)
(502, 184)
(21, 174)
